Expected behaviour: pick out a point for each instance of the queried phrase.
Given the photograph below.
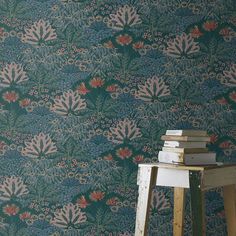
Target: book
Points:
(186, 132)
(184, 150)
(185, 138)
(187, 158)
(185, 144)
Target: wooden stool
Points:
(198, 179)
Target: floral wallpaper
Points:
(87, 87)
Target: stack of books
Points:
(186, 147)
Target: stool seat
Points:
(197, 179)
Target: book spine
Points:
(168, 161)
(180, 144)
(174, 132)
(170, 157)
(185, 138)
(185, 150)
(186, 132)
(206, 159)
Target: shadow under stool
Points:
(197, 179)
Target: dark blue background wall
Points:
(86, 90)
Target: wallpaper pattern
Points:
(87, 87)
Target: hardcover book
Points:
(184, 150)
(185, 144)
(187, 132)
(187, 159)
(185, 138)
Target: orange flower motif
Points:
(124, 153)
(138, 159)
(124, 39)
(25, 215)
(112, 88)
(222, 101)
(108, 44)
(82, 202)
(25, 102)
(96, 82)
(11, 210)
(112, 201)
(233, 96)
(82, 89)
(10, 96)
(224, 32)
(210, 25)
(195, 32)
(108, 157)
(138, 45)
(97, 196)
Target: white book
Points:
(185, 150)
(184, 144)
(186, 132)
(185, 138)
(188, 158)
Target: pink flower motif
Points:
(82, 202)
(213, 138)
(221, 214)
(138, 45)
(10, 96)
(82, 89)
(25, 102)
(222, 101)
(124, 153)
(224, 32)
(108, 44)
(112, 88)
(11, 209)
(1, 32)
(112, 201)
(2, 145)
(25, 215)
(96, 196)
(108, 157)
(96, 82)
(137, 159)
(124, 39)
(225, 144)
(195, 32)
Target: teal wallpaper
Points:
(87, 87)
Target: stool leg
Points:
(146, 180)
(197, 204)
(229, 194)
(179, 204)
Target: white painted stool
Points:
(198, 179)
